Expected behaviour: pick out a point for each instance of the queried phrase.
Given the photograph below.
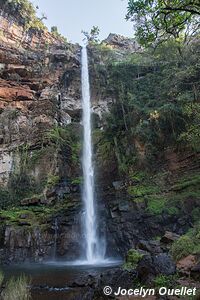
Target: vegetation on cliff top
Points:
(26, 14)
(25, 10)
(156, 105)
(156, 21)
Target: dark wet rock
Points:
(118, 185)
(95, 283)
(151, 246)
(24, 216)
(51, 193)
(24, 223)
(169, 237)
(35, 200)
(151, 266)
(195, 272)
(182, 221)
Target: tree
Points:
(54, 29)
(55, 32)
(156, 20)
(93, 35)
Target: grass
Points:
(17, 289)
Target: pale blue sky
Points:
(72, 16)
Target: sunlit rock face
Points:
(33, 66)
(120, 42)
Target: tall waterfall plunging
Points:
(94, 247)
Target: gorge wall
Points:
(40, 150)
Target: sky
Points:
(73, 16)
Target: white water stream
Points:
(95, 249)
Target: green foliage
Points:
(187, 244)
(166, 281)
(21, 183)
(52, 180)
(158, 196)
(192, 133)
(77, 180)
(155, 20)
(17, 289)
(26, 10)
(54, 31)
(143, 190)
(132, 259)
(182, 247)
(34, 216)
(66, 141)
(187, 182)
(93, 35)
(156, 104)
(156, 204)
(138, 176)
(38, 154)
(6, 198)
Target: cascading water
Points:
(55, 237)
(94, 247)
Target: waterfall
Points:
(94, 247)
(55, 237)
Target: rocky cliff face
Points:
(40, 113)
(40, 93)
(32, 67)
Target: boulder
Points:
(169, 237)
(151, 246)
(186, 264)
(195, 272)
(151, 266)
(35, 200)
(114, 278)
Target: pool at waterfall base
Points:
(59, 280)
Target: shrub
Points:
(16, 289)
(166, 281)
(52, 180)
(182, 247)
(77, 180)
(156, 205)
(132, 259)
